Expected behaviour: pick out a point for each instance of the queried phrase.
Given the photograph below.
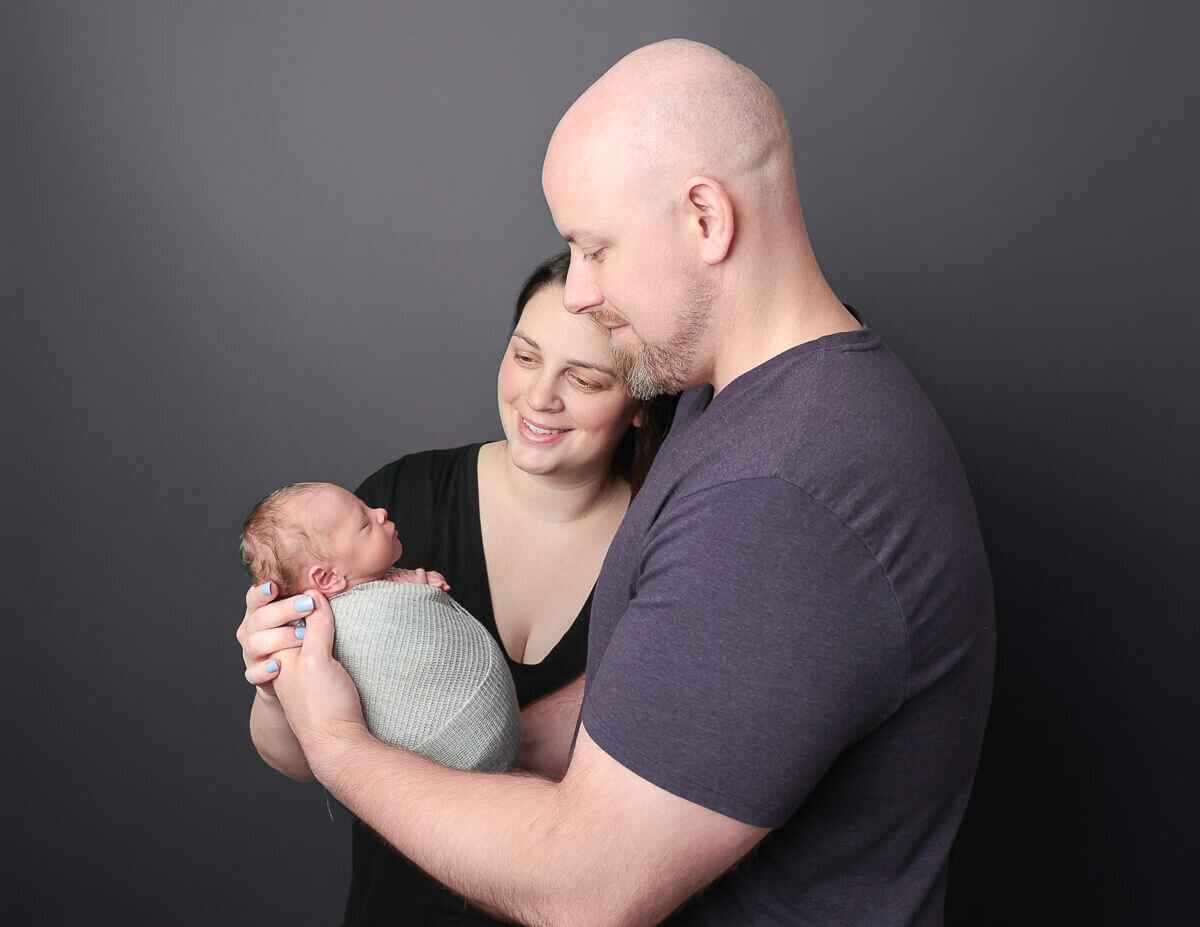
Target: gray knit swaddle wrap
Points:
(431, 679)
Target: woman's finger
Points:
(258, 596)
(263, 672)
(262, 644)
(276, 614)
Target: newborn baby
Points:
(431, 679)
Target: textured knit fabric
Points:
(793, 628)
(431, 679)
(433, 497)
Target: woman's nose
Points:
(543, 393)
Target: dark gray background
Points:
(249, 243)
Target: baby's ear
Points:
(326, 579)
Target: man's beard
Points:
(655, 369)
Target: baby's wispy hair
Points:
(274, 544)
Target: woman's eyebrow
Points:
(570, 361)
(599, 367)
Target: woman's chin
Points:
(533, 460)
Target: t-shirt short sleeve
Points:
(761, 640)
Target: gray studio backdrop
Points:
(250, 243)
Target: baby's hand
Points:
(420, 577)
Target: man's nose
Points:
(580, 292)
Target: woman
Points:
(520, 528)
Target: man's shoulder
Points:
(811, 408)
(839, 423)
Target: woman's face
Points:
(563, 408)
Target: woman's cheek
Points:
(607, 412)
(508, 384)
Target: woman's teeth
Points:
(542, 431)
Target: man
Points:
(791, 651)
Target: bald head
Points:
(675, 109)
(671, 178)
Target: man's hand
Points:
(316, 693)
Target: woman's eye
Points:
(584, 384)
(525, 359)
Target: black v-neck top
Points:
(433, 497)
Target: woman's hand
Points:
(266, 631)
(265, 636)
(548, 731)
(319, 698)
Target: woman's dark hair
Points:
(636, 451)
(551, 272)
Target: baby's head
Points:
(317, 536)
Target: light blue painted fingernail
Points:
(304, 603)
(272, 667)
(265, 588)
(300, 633)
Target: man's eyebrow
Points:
(572, 237)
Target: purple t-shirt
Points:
(793, 627)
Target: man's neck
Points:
(785, 306)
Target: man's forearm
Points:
(603, 846)
(494, 838)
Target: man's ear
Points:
(711, 209)
(326, 579)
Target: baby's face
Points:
(361, 542)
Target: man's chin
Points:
(637, 370)
(624, 360)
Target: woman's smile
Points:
(539, 434)
(562, 404)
